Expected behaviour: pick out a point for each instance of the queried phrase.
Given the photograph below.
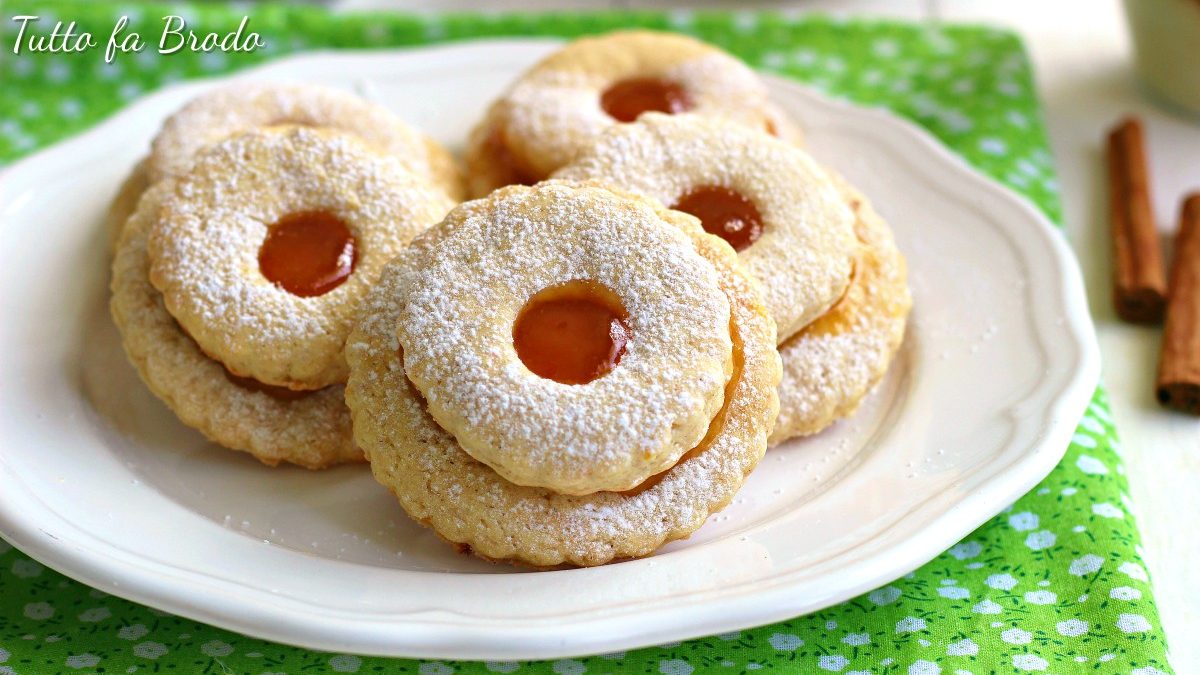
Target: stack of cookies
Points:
(653, 283)
(261, 218)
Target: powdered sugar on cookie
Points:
(244, 106)
(612, 433)
(554, 111)
(204, 248)
(805, 253)
(313, 431)
(469, 504)
(833, 363)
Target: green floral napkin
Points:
(1054, 583)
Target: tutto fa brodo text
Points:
(175, 36)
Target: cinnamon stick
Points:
(1139, 285)
(1179, 365)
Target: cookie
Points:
(508, 278)
(470, 505)
(309, 429)
(836, 360)
(240, 107)
(557, 108)
(766, 197)
(265, 246)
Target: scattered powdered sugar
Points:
(456, 329)
(804, 255)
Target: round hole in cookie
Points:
(572, 333)
(725, 213)
(308, 253)
(626, 100)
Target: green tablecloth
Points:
(1055, 583)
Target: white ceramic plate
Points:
(99, 481)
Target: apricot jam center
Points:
(308, 253)
(572, 333)
(725, 213)
(627, 99)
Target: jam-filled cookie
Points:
(557, 108)
(836, 360)
(518, 278)
(268, 243)
(310, 429)
(241, 107)
(281, 231)
(767, 198)
(572, 330)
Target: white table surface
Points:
(1083, 60)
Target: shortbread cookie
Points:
(557, 108)
(244, 106)
(470, 505)
(833, 363)
(266, 245)
(486, 303)
(764, 196)
(310, 429)
(126, 201)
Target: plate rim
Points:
(418, 637)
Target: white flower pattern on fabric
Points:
(675, 667)
(1031, 662)
(1002, 582)
(1086, 565)
(1041, 597)
(1072, 627)
(150, 650)
(80, 661)
(1125, 593)
(1132, 623)
(1016, 636)
(785, 642)
(832, 662)
(923, 667)
(1042, 539)
(1023, 521)
(964, 647)
(1091, 465)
